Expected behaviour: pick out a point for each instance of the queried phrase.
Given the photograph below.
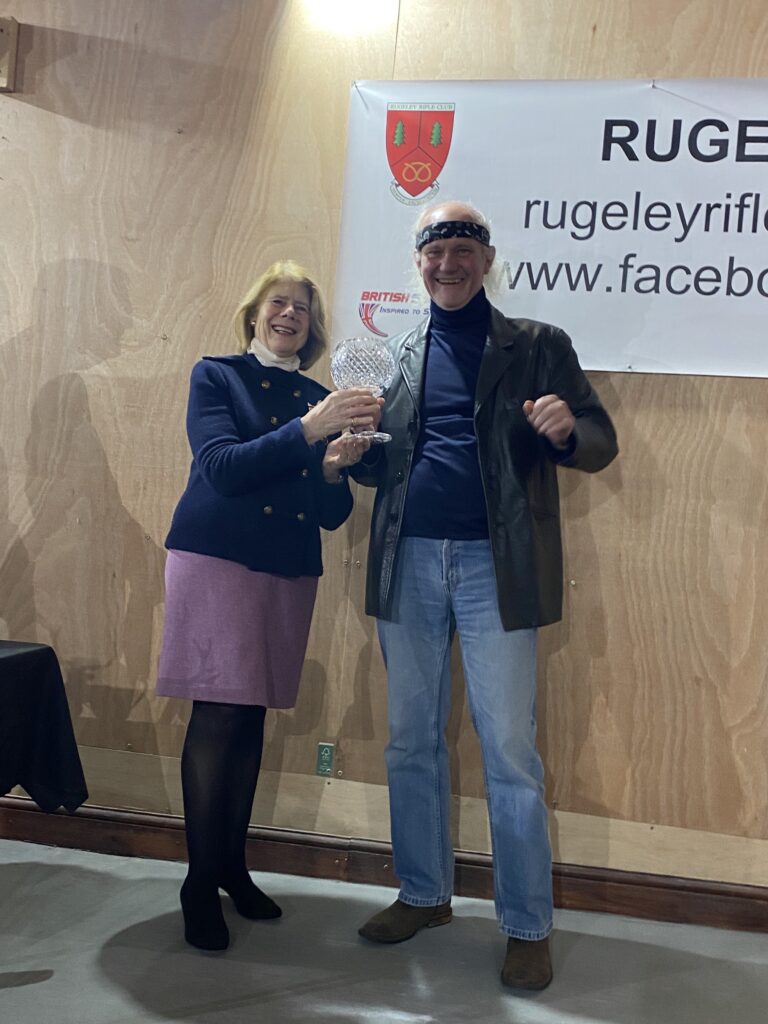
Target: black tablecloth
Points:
(37, 742)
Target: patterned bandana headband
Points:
(452, 229)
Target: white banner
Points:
(631, 214)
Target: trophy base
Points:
(374, 436)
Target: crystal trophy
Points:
(363, 363)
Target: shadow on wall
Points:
(53, 63)
(282, 727)
(565, 713)
(627, 687)
(77, 570)
(16, 598)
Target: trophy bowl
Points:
(364, 363)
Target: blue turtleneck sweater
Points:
(445, 498)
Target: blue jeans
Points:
(441, 586)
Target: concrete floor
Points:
(91, 939)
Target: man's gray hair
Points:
(423, 219)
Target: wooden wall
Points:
(155, 157)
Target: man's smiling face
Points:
(453, 269)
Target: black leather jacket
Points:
(522, 359)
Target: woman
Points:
(242, 569)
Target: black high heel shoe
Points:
(204, 924)
(248, 898)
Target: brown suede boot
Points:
(527, 964)
(401, 921)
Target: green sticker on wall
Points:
(324, 764)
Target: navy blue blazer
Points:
(256, 492)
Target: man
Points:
(465, 537)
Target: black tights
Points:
(219, 770)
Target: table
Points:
(37, 742)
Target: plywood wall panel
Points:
(554, 39)
(654, 685)
(653, 701)
(154, 160)
(155, 157)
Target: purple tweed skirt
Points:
(232, 635)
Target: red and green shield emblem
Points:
(418, 141)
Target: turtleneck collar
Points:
(268, 358)
(476, 312)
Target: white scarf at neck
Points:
(268, 358)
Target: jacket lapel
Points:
(498, 353)
(412, 362)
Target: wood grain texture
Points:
(556, 39)
(154, 158)
(654, 699)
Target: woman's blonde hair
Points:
(248, 310)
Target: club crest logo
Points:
(418, 142)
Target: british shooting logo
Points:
(367, 310)
(391, 306)
(418, 141)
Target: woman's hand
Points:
(348, 408)
(344, 451)
(377, 414)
